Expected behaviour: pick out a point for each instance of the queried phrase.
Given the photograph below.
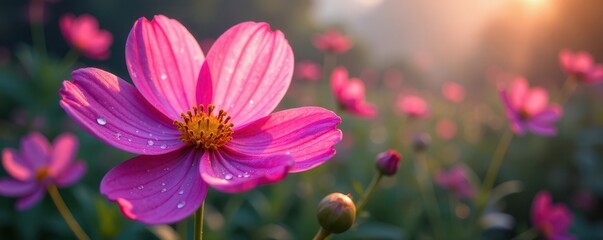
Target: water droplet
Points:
(181, 204)
(129, 140)
(181, 192)
(150, 142)
(118, 136)
(162, 184)
(240, 176)
(246, 175)
(163, 190)
(150, 134)
(137, 131)
(163, 146)
(101, 121)
(140, 187)
(163, 76)
(288, 153)
(251, 102)
(228, 176)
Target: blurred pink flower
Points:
(349, 93)
(446, 129)
(83, 34)
(332, 42)
(529, 109)
(453, 92)
(456, 180)
(307, 70)
(198, 120)
(413, 106)
(553, 221)
(38, 164)
(581, 66)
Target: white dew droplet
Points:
(150, 143)
(101, 121)
(140, 187)
(162, 184)
(163, 76)
(251, 102)
(228, 176)
(288, 153)
(163, 190)
(163, 146)
(181, 192)
(246, 175)
(118, 136)
(181, 204)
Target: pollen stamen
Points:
(200, 128)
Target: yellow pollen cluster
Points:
(42, 173)
(200, 128)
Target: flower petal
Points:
(30, 199)
(164, 60)
(14, 165)
(515, 122)
(71, 174)
(308, 134)
(35, 150)
(517, 93)
(230, 171)
(14, 188)
(157, 189)
(339, 77)
(536, 100)
(63, 152)
(113, 111)
(251, 68)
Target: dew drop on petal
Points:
(246, 175)
(240, 176)
(163, 146)
(140, 187)
(181, 204)
(251, 102)
(163, 190)
(163, 76)
(181, 192)
(129, 140)
(150, 142)
(288, 153)
(101, 121)
(228, 176)
(118, 136)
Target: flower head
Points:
(529, 109)
(83, 34)
(412, 106)
(456, 180)
(332, 42)
(581, 66)
(349, 93)
(197, 120)
(336, 212)
(453, 92)
(388, 162)
(552, 220)
(307, 70)
(38, 164)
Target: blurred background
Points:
(400, 47)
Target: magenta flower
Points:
(332, 42)
(38, 164)
(349, 93)
(456, 180)
(553, 221)
(83, 34)
(198, 120)
(307, 70)
(529, 109)
(453, 92)
(412, 106)
(581, 66)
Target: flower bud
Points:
(388, 161)
(336, 212)
(421, 141)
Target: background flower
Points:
(83, 34)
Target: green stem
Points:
(530, 234)
(427, 192)
(69, 59)
(199, 222)
(493, 169)
(65, 213)
(182, 228)
(321, 234)
(368, 192)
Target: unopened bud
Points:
(388, 161)
(421, 141)
(336, 212)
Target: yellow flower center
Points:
(42, 173)
(200, 128)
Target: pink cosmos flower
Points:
(581, 66)
(446, 129)
(453, 92)
(553, 221)
(83, 34)
(529, 109)
(349, 93)
(456, 180)
(38, 164)
(307, 70)
(332, 42)
(413, 106)
(196, 120)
